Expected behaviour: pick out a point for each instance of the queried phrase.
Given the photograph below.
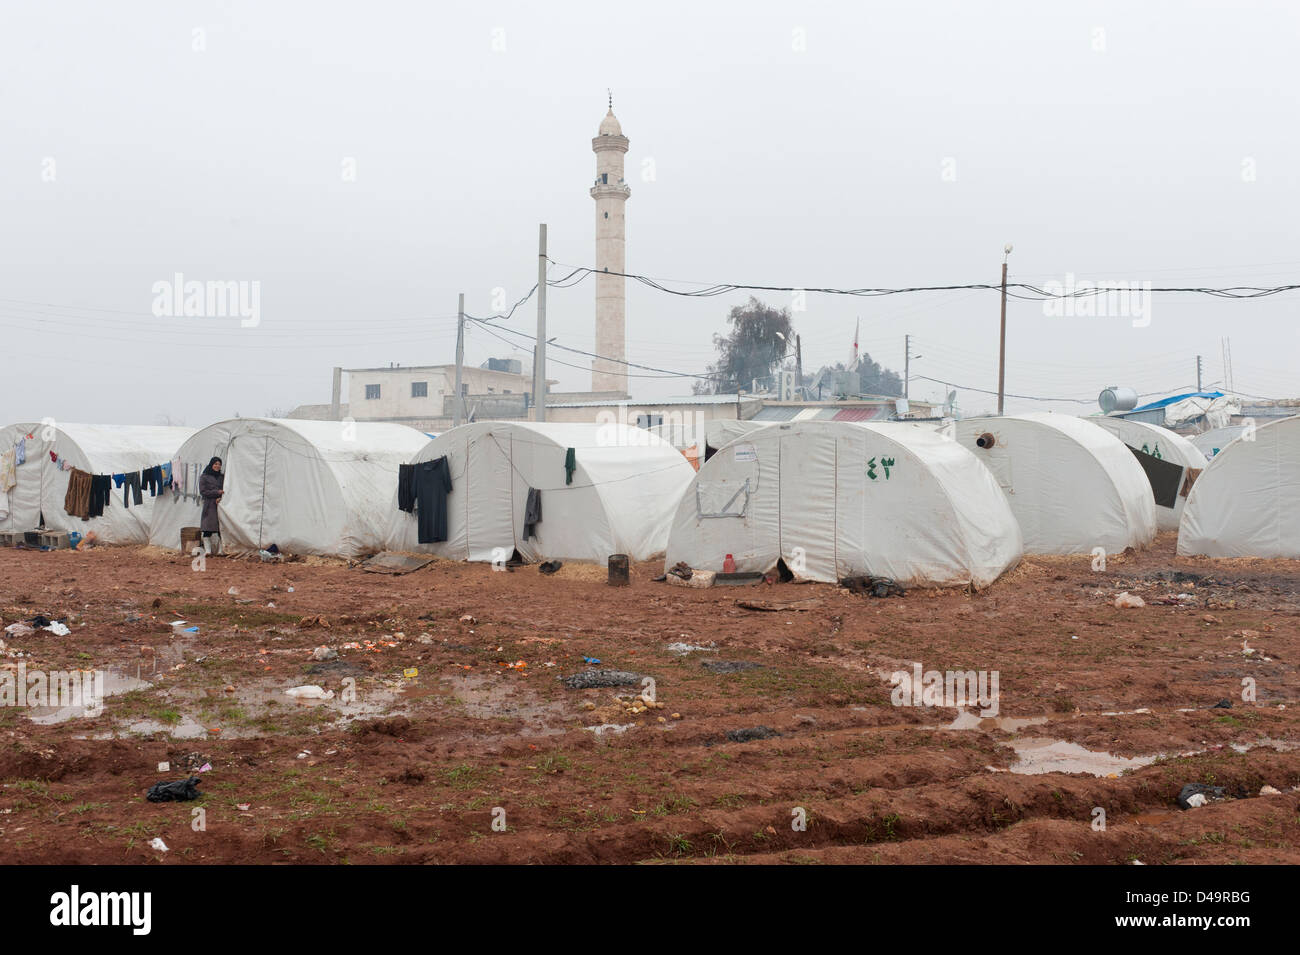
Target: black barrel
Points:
(618, 576)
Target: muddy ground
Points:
(443, 731)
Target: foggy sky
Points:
(791, 144)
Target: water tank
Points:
(1117, 399)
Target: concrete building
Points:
(418, 394)
(611, 193)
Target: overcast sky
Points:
(366, 162)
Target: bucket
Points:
(618, 567)
(190, 538)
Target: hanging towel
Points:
(21, 449)
(570, 465)
(77, 500)
(532, 513)
(8, 470)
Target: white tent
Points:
(94, 448)
(1072, 486)
(309, 487)
(839, 498)
(1159, 443)
(1247, 501)
(620, 500)
(1211, 442)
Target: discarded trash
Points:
(183, 790)
(164, 767)
(316, 620)
(1224, 704)
(309, 692)
(1194, 795)
(1127, 599)
(324, 653)
(682, 649)
(752, 733)
(809, 603)
(467, 618)
(1269, 791)
(20, 629)
(616, 728)
(233, 591)
(40, 621)
(157, 843)
(730, 666)
(549, 566)
(589, 679)
(56, 628)
(205, 768)
(243, 806)
(411, 673)
(873, 586)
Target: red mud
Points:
(417, 769)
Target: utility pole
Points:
(907, 363)
(798, 366)
(1002, 341)
(1198, 372)
(460, 358)
(539, 363)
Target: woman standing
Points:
(211, 488)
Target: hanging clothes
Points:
(101, 489)
(152, 479)
(8, 469)
(131, 482)
(570, 465)
(532, 512)
(166, 470)
(406, 488)
(77, 500)
(432, 485)
(20, 451)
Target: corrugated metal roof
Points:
(772, 413)
(861, 414)
(1163, 402)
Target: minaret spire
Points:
(608, 371)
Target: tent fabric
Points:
(621, 499)
(840, 498)
(1211, 442)
(309, 487)
(1160, 443)
(1072, 486)
(97, 449)
(1247, 501)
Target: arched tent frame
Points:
(1160, 443)
(1246, 503)
(624, 489)
(97, 449)
(835, 499)
(1072, 486)
(309, 487)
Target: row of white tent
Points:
(828, 499)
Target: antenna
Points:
(611, 98)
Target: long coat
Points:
(210, 486)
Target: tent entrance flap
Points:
(243, 512)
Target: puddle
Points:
(487, 698)
(1041, 755)
(115, 682)
(971, 720)
(1153, 818)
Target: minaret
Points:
(610, 193)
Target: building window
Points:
(372, 391)
(604, 179)
(649, 420)
(419, 389)
(505, 391)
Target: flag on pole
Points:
(856, 329)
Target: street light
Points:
(1002, 339)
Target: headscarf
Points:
(219, 475)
